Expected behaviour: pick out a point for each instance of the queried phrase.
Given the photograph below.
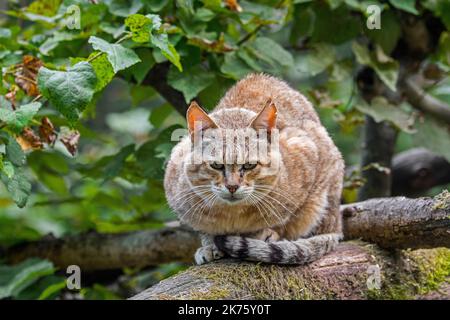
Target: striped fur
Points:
(299, 251)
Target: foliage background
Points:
(93, 84)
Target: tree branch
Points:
(400, 222)
(391, 222)
(93, 251)
(423, 101)
(353, 271)
(157, 78)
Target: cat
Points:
(281, 211)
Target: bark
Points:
(400, 222)
(157, 78)
(378, 149)
(93, 251)
(423, 101)
(355, 270)
(388, 222)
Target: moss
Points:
(424, 271)
(404, 275)
(442, 200)
(434, 267)
(259, 281)
(214, 293)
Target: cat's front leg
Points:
(208, 251)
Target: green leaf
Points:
(161, 41)
(18, 119)
(405, 5)
(334, 26)
(156, 5)
(317, 60)
(191, 81)
(387, 40)
(273, 52)
(69, 91)
(44, 7)
(443, 52)
(57, 38)
(113, 167)
(119, 56)
(234, 67)
(141, 69)
(53, 290)
(381, 110)
(433, 135)
(14, 279)
(140, 27)
(8, 169)
(18, 186)
(45, 288)
(114, 30)
(103, 71)
(159, 114)
(123, 8)
(14, 152)
(385, 67)
(149, 158)
(5, 33)
(98, 292)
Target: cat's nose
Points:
(232, 187)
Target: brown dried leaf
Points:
(70, 140)
(28, 139)
(11, 96)
(26, 75)
(47, 131)
(233, 5)
(218, 46)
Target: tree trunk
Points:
(378, 149)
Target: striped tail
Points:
(299, 251)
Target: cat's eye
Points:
(249, 166)
(217, 166)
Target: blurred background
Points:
(377, 72)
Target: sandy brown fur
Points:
(307, 188)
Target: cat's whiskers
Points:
(181, 195)
(265, 207)
(266, 204)
(271, 189)
(267, 195)
(214, 200)
(253, 200)
(189, 197)
(197, 191)
(202, 207)
(189, 211)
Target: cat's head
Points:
(235, 157)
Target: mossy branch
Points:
(355, 270)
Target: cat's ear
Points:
(198, 119)
(266, 118)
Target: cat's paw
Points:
(207, 254)
(267, 235)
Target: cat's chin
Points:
(232, 201)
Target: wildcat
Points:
(286, 213)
